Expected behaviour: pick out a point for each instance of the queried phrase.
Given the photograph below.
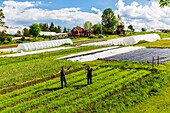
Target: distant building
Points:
(53, 34)
(44, 33)
(80, 32)
(164, 30)
(61, 35)
(12, 30)
(120, 31)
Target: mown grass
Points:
(156, 104)
(156, 44)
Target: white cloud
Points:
(26, 13)
(147, 16)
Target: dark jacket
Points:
(89, 72)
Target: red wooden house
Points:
(120, 31)
(80, 32)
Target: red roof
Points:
(79, 29)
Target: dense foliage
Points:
(109, 21)
(35, 30)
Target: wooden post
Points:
(158, 60)
(152, 62)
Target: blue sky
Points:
(70, 13)
(85, 5)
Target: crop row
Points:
(94, 96)
(137, 91)
(48, 83)
(80, 92)
(30, 70)
(48, 97)
(36, 97)
(30, 93)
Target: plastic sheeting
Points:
(131, 40)
(42, 45)
(143, 55)
(8, 50)
(34, 52)
(102, 54)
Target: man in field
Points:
(89, 75)
(62, 76)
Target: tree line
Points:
(35, 29)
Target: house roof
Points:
(79, 29)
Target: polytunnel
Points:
(135, 39)
(131, 40)
(43, 44)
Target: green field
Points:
(157, 44)
(26, 85)
(47, 96)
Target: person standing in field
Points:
(62, 76)
(89, 74)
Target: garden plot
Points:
(143, 55)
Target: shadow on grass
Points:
(79, 86)
(53, 89)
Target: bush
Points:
(66, 44)
(9, 38)
(23, 38)
(19, 41)
(101, 36)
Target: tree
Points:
(51, 27)
(1, 18)
(130, 27)
(96, 28)
(26, 32)
(163, 3)
(58, 29)
(2, 36)
(19, 34)
(35, 30)
(65, 30)
(44, 27)
(109, 20)
(87, 25)
(144, 29)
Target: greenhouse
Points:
(43, 44)
(131, 40)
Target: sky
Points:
(71, 13)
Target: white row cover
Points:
(89, 52)
(8, 50)
(35, 52)
(131, 40)
(42, 44)
(103, 54)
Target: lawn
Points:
(156, 44)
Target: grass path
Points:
(156, 104)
